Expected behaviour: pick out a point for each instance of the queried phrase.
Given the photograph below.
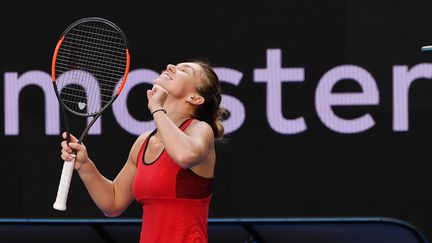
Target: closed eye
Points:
(185, 67)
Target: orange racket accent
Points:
(126, 72)
(53, 74)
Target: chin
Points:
(157, 81)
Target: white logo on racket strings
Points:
(81, 105)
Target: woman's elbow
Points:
(187, 160)
(112, 211)
(112, 214)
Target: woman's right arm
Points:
(112, 197)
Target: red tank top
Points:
(175, 200)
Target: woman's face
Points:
(181, 80)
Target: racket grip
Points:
(63, 189)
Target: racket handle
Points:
(63, 189)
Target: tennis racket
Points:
(89, 69)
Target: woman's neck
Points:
(178, 113)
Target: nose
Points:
(171, 68)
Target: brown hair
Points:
(210, 111)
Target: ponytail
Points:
(210, 111)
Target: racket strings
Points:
(100, 46)
(91, 62)
(94, 71)
(106, 59)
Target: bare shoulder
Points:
(200, 128)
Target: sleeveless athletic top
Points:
(175, 201)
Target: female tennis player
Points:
(169, 170)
